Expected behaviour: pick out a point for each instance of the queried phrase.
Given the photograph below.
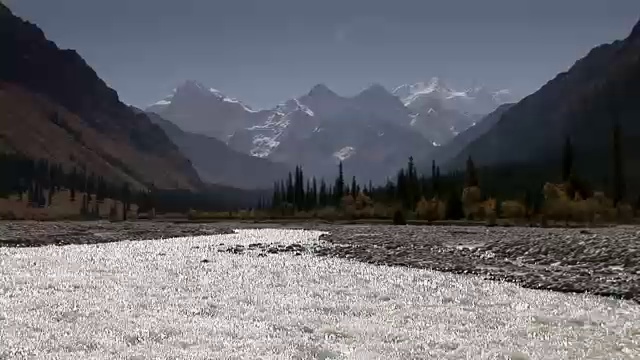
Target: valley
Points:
(414, 217)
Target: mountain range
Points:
(54, 106)
(372, 133)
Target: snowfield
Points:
(160, 300)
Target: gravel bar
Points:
(33, 234)
(601, 261)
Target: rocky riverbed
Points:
(32, 233)
(603, 261)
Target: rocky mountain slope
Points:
(581, 103)
(445, 153)
(440, 113)
(371, 132)
(216, 163)
(53, 105)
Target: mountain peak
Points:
(321, 89)
(375, 91)
(192, 86)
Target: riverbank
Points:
(602, 261)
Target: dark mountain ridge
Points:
(581, 103)
(53, 83)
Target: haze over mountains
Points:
(373, 132)
(54, 106)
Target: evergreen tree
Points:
(323, 195)
(50, 196)
(567, 159)
(275, 200)
(125, 197)
(314, 194)
(354, 187)
(283, 193)
(402, 193)
(339, 186)
(290, 190)
(435, 175)
(73, 183)
(471, 175)
(618, 171)
(91, 184)
(298, 188)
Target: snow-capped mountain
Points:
(197, 108)
(370, 132)
(373, 132)
(474, 101)
(440, 112)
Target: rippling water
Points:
(157, 300)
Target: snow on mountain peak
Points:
(475, 100)
(194, 89)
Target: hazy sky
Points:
(266, 51)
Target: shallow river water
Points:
(159, 300)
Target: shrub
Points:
(625, 213)
(381, 211)
(362, 201)
(557, 209)
(471, 200)
(328, 213)
(512, 209)
(431, 210)
(554, 191)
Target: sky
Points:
(264, 52)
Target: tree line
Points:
(409, 190)
(39, 180)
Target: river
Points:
(182, 298)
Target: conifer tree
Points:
(323, 196)
(314, 194)
(125, 198)
(307, 196)
(618, 171)
(402, 193)
(434, 177)
(354, 187)
(290, 190)
(567, 159)
(283, 193)
(73, 182)
(471, 175)
(339, 186)
(275, 196)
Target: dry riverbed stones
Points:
(603, 261)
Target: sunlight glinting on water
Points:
(157, 299)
